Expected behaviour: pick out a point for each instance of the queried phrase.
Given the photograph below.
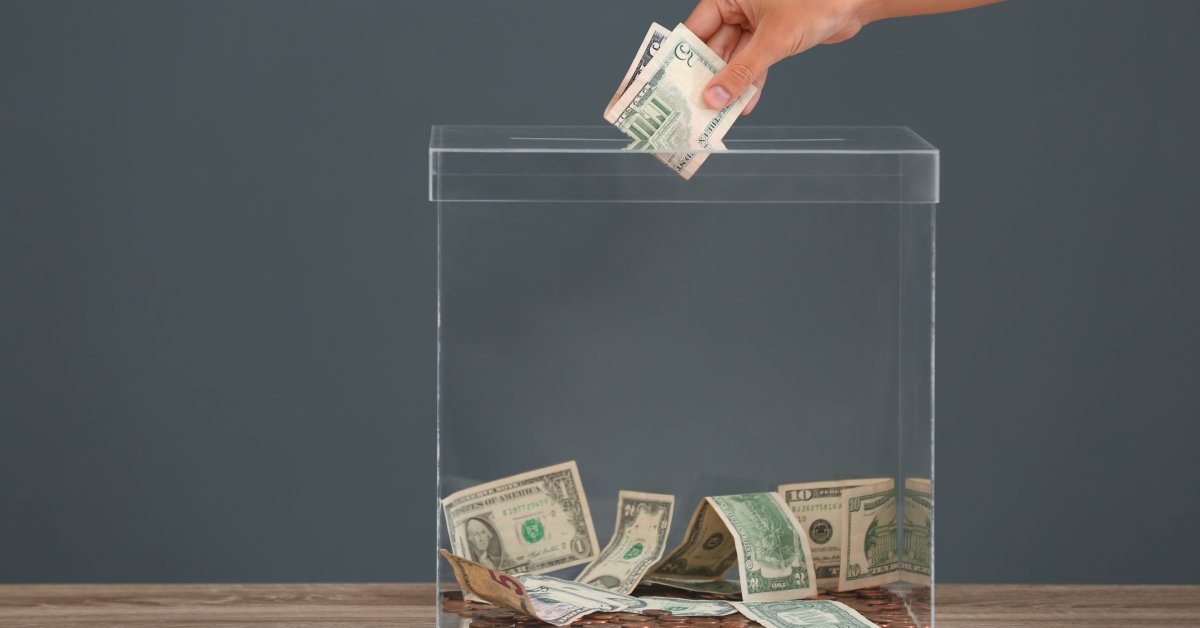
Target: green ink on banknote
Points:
(533, 530)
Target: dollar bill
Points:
(651, 44)
(772, 550)
(638, 542)
(870, 556)
(663, 108)
(534, 522)
(683, 608)
(818, 509)
(706, 554)
(488, 584)
(754, 530)
(544, 589)
(802, 613)
(917, 551)
(712, 587)
(552, 600)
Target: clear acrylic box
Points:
(768, 322)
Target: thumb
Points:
(743, 68)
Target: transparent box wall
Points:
(769, 321)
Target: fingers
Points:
(704, 20)
(725, 40)
(745, 66)
(758, 82)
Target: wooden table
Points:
(412, 605)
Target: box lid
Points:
(772, 164)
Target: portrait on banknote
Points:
(484, 543)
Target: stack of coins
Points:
(885, 608)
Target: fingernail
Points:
(717, 97)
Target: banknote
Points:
(680, 607)
(818, 509)
(488, 584)
(549, 590)
(534, 522)
(754, 530)
(707, 552)
(772, 550)
(802, 613)
(917, 537)
(651, 44)
(552, 600)
(639, 540)
(870, 556)
(713, 587)
(663, 109)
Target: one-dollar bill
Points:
(803, 613)
(552, 600)
(755, 531)
(639, 540)
(917, 539)
(818, 509)
(870, 552)
(534, 522)
(662, 106)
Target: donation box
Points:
(764, 327)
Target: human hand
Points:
(751, 35)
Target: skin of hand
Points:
(751, 35)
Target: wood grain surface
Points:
(412, 605)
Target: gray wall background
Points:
(217, 345)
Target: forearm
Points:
(873, 10)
